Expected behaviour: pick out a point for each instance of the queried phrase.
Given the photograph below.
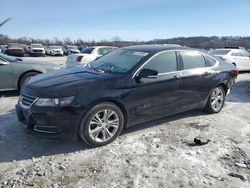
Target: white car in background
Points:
(87, 55)
(36, 50)
(54, 50)
(238, 56)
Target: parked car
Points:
(3, 48)
(87, 55)
(14, 49)
(15, 72)
(238, 56)
(36, 50)
(70, 50)
(54, 50)
(128, 86)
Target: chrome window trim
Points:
(197, 51)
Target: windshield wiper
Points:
(94, 68)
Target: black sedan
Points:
(128, 86)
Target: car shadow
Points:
(14, 93)
(165, 120)
(240, 92)
(17, 143)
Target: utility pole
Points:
(5, 21)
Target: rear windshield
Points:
(87, 50)
(219, 52)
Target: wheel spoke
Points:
(105, 135)
(95, 132)
(113, 123)
(220, 98)
(96, 118)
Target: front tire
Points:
(25, 78)
(216, 100)
(101, 124)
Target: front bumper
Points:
(50, 120)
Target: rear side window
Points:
(219, 52)
(210, 61)
(192, 60)
(103, 51)
(164, 62)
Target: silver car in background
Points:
(15, 72)
(240, 57)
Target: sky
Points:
(127, 19)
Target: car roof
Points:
(102, 47)
(155, 48)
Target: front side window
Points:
(163, 63)
(192, 60)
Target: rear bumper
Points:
(48, 120)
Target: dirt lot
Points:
(155, 154)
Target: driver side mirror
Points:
(148, 73)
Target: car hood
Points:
(64, 82)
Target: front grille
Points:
(26, 101)
(38, 51)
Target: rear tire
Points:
(101, 124)
(25, 78)
(216, 100)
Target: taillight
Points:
(237, 71)
(79, 58)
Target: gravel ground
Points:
(155, 154)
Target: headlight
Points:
(62, 102)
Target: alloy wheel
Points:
(217, 99)
(104, 125)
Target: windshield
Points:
(219, 52)
(16, 46)
(36, 46)
(118, 61)
(72, 47)
(8, 58)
